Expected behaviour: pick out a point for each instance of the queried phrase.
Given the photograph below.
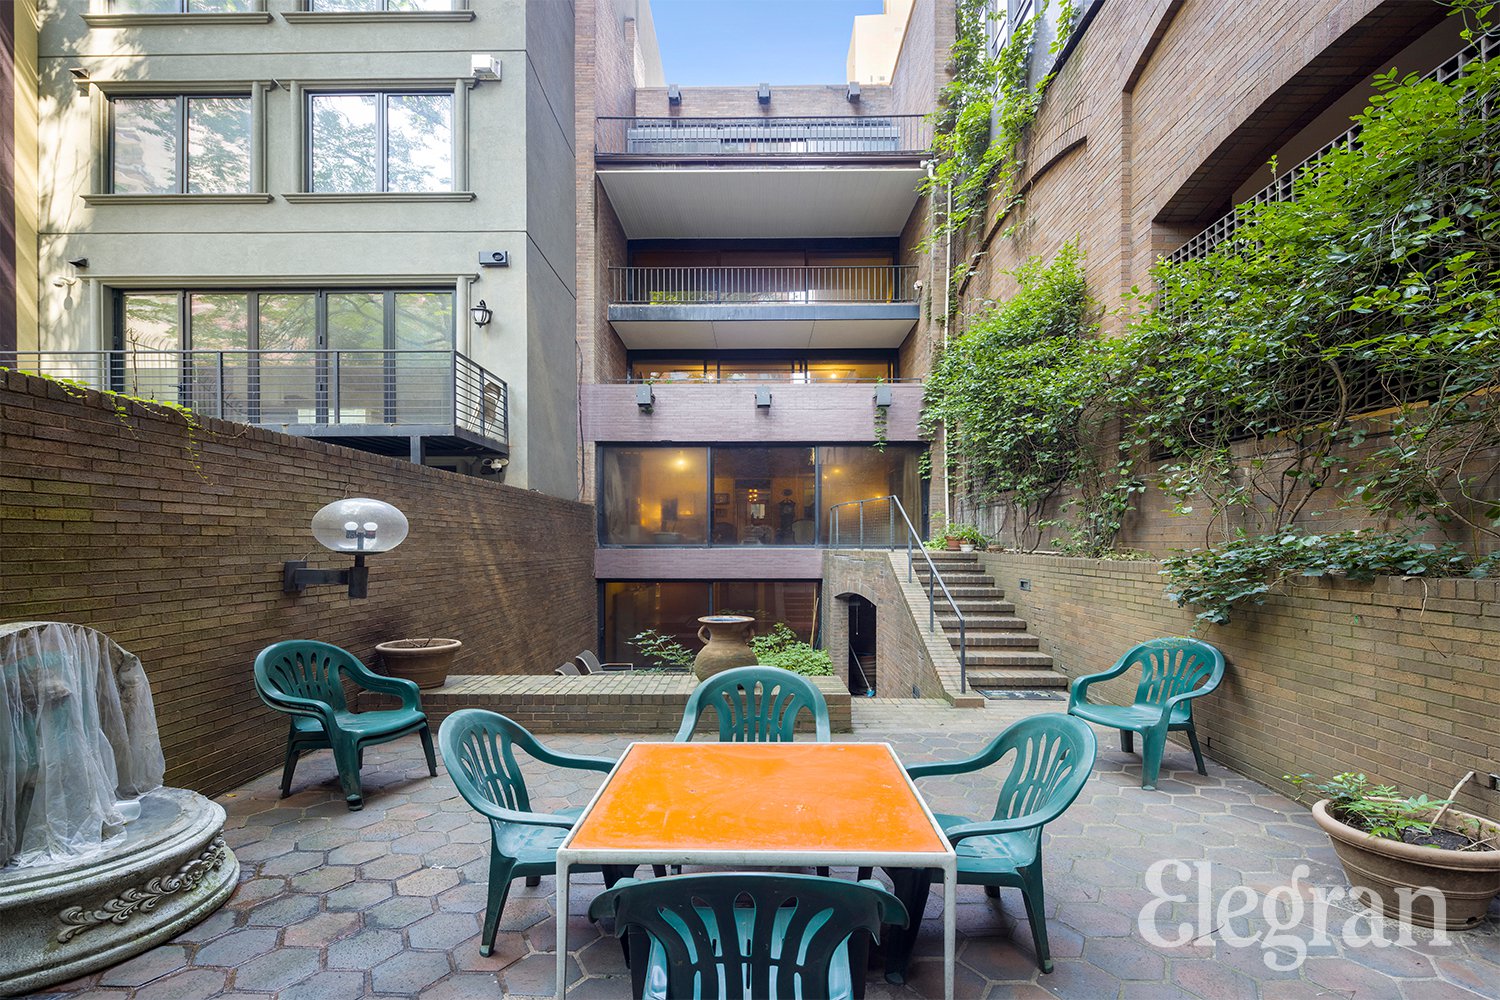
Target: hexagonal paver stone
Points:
(146, 966)
(392, 866)
(427, 882)
(356, 853)
(418, 843)
(237, 947)
(535, 975)
(442, 930)
(398, 912)
(283, 911)
(277, 970)
(321, 928)
(188, 984)
(293, 863)
(330, 985)
(1124, 958)
(364, 949)
(358, 895)
(470, 985)
(409, 972)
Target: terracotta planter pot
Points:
(1467, 880)
(726, 644)
(951, 542)
(424, 661)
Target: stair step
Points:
(983, 622)
(953, 557)
(1007, 658)
(984, 640)
(968, 590)
(961, 579)
(976, 606)
(1015, 679)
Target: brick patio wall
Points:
(903, 666)
(174, 548)
(1395, 678)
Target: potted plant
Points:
(969, 537)
(424, 661)
(942, 529)
(1404, 850)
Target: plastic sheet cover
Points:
(78, 742)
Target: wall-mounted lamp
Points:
(674, 94)
(360, 526)
(853, 92)
(763, 93)
(481, 314)
(762, 398)
(882, 395)
(644, 398)
(483, 66)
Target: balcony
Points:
(392, 402)
(817, 307)
(849, 138)
(685, 178)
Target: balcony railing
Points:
(436, 391)
(1284, 187)
(858, 136)
(663, 286)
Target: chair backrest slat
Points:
(1173, 666)
(303, 668)
(479, 749)
(756, 704)
(1053, 756)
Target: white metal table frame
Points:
(569, 857)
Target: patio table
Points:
(758, 805)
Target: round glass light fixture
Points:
(359, 525)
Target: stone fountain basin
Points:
(171, 870)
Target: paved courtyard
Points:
(387, 902)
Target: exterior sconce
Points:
(763, 93)
(882, 396)
(762, 398)
(674, 94)
(853, 92)
(644, 398)
(360, 526)
(481, 314)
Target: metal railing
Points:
(883, 530)
(1283, 188)
(296, 388)
(661, 286)
(849, 135)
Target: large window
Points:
(674, 608)
(744, 495)
(181, 6)
(180, 145)
(380, 141)
(294, 356)
(367, 5)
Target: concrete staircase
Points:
(1001, 653)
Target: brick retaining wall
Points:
(174, 549)
(1399, 679)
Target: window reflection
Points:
(862, 473)
(381, 142)
(673, 608)
(654, 496)
(784, 368)
(764, 496)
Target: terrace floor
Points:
(387, 901)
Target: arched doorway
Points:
(861, 666)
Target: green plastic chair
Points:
(479, 751)
(304, 679)
(756, 704)
(1174, 671)
(738, 935)
(1054, 755)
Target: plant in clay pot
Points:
(422, 661)
(1415, 859)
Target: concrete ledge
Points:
(599, 703)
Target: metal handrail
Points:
(676, 137)
(813, 284)
(864, 678)
(934, 580)
(305, 388)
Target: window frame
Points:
(182, 124)
(382, 97)
(102, 14)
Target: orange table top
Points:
(758, 797)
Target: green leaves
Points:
(780, 647)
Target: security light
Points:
(763, 93)
(674, 94)
(853, 92)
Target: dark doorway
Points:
(861, 647)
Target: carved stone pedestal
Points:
(171, 870)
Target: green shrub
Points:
(780, 647)
(661, 649)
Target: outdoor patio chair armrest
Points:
(892, 910)
(296, 705)
(576, 761)
(523, 817)
(407, 691)
(984, 758)
(993, 827)
(617, 666)
(1077, 691)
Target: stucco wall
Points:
(173, 544)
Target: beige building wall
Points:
(875, 43)
(514, 141)
(18, 327)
